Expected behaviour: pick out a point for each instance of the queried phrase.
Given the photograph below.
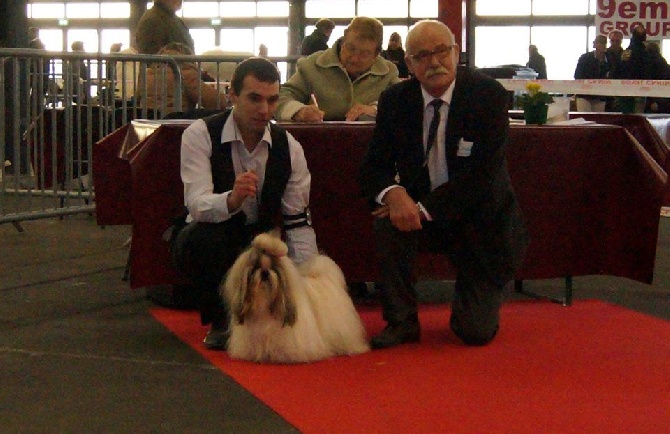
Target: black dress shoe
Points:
(396, 334)
(217, 338)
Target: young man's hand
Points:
(246, 185)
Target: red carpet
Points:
(592, 367)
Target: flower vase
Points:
(535, 114)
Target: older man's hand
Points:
(401, 209)
(309, 113)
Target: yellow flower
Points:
(533, 87)
(534, 97)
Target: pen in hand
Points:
(312, 97)
(309, 112)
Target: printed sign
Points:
(625, 15)
(606, 87)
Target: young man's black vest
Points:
(277, 170)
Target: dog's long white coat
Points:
(327, 323)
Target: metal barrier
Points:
(55, 106)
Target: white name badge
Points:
(464, 148)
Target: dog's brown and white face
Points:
(256, 287)
(267, 291)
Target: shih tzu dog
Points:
(283, 313)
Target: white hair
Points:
(415, 31)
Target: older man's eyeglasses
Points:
(440, 52)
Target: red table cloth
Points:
(591, 196)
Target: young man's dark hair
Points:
(264, 70)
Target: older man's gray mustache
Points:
(438, 70)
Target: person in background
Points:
(436, 175)
(242, 175)
(635, 60)
(395, 53)
(160, 26)
(536, 62)
(262, 50)
(592, 65)
(110, 69)
(80, 75)
(635, 65)
(318, 39)
(12, 81)
(195, 92)
(39, 71)
(115, 47)
(35, 41)
(127, 74)
(108, 92)
(658, 70)
(613, 54)
(658, 66)
(342, 82)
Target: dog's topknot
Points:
(271, 245)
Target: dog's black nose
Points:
(265, 274)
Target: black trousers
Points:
(477, 299)
(203, 253)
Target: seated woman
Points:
(343, 82)
(195, 92)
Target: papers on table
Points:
(576, 121)
(144, 127)
(158, 122)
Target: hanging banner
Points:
(624, 15)
(605, 87)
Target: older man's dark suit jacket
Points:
(478, 200)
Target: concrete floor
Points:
(79, 352)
